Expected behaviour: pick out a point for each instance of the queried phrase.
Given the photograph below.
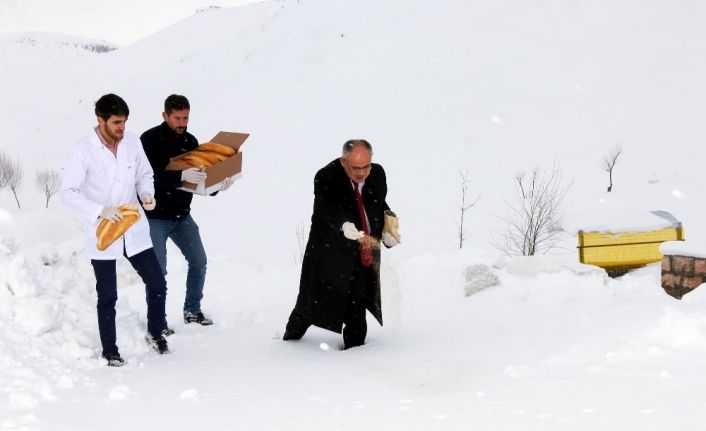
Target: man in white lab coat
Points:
(104, 170)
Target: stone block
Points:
(692, 282)
(683, 265)
(671, 280)
(700, 266)
(676, 292)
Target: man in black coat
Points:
(172, 216)
(340, 275)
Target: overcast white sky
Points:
(128, 21)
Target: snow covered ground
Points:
(438, 88)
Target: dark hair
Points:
(111, 104)
(349, 145)
(176, 102)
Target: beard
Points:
(114, 134)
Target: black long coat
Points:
(330, 257)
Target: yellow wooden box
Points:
(626, 249)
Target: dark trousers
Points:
(355, 326)
(185, 234)
(147, 267)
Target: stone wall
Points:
(682, 274)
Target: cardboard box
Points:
(219, 171)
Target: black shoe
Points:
(159, 344)
(114, 360)
(197, 318)
(167, 331)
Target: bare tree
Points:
(302, 239)
(5, 165)
(531, 223)
(13, 175)
(465, 182)
(609, 162)
(48, 182)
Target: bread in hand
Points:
(108, 232)
(392, 225)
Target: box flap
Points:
(231, 139)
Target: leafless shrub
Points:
(465, 182)
(10, 175)
(302, 239)
(5, 164)
(531, 222)
(48, 182)
(609, 162)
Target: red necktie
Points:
(366, 255)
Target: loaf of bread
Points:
(108, 232)
(196, 160)
(207, 155)
(219, 157)
(217, 148)
(392, 225)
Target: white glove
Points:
(148, 202)
(389, 240)
(350, 231)
(226, 183)
(112, 214)
(193, 175)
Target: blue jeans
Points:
(147, 267)
(185, 235)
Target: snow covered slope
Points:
(99, 19)
(437, 89)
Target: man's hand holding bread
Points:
(112, 214)
(114, 223)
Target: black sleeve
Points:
(328, 200)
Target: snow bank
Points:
(683, 248)
(534, 265)
(617, 218)
(47, 307)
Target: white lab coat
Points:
(94, 178)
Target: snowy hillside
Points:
(493, 90)
(438, 88)
(133, 20)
